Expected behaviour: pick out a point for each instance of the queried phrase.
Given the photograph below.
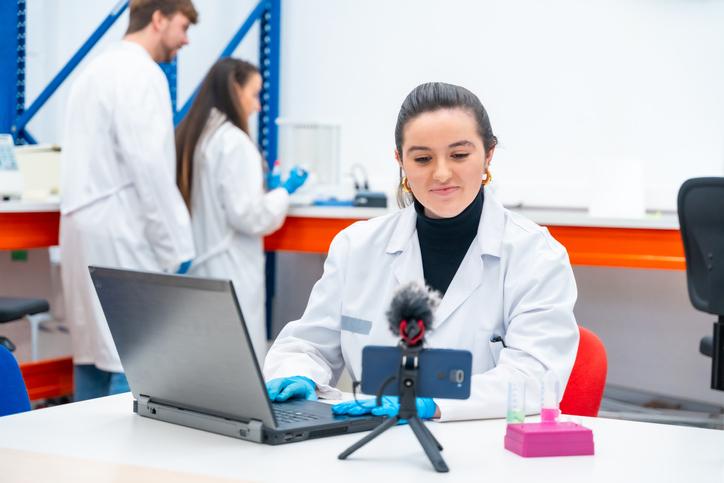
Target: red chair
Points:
(584, 391)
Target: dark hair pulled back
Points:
(434, 96)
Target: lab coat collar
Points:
(216, 116)
(134, 47)
(490, 228)
(215, 121)
(404, 230)
(492, 224)
(407, 266)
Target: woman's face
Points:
(248, 94)
(444, 160)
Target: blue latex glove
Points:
(297, 177)
(294, 387)
(390, 407)
(274, 180)
(184, 267)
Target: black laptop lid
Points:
(182, 341)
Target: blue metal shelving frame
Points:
(12, 60)
(14, 118)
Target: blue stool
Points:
(14, 395)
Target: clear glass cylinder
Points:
(516, 400)
(550, 395)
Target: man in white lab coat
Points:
(120, 206)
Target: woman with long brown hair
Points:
(220, 174)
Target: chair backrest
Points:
(584, 391)
(13, 394)
(701, 220)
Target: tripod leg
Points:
(385, 425)
(432, 436)
(428, 445)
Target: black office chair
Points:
(35, 311)
(701, 219)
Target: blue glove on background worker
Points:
(184, 267)
(390, 407)
(294, 387)
(297, 177)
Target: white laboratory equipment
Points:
(40, 166)
(315, 146)
(11, 180)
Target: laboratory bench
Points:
(103, 440)
(651, 242)
(25, 225)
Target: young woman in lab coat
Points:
(499, 273)
(220, 174)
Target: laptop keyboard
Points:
(292, 415)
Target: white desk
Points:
(542, 216)
(106, 431)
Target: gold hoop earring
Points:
(405, 185)
(488, 178)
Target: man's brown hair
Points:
(142, 11)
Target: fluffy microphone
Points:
(410, 312)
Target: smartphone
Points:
(442, 373)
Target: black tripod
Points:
(407, 379)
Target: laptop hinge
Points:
(252, 431)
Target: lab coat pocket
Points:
(355, 325)
(495, 348)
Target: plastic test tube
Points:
(516, 400)
(550, 390)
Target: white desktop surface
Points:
(542, 216)
(106, 430)
(17, 206)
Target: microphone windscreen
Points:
(412, 301)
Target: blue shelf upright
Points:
(170, 69)
(12, 60)
(269, 64)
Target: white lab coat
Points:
(514, 281)
(119, 203)
(230, 214)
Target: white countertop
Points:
(29, 206)
(106, 430)
(580, 217)
(542, 216)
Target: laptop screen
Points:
(182, 342)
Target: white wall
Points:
(570, 86)
(566, 83)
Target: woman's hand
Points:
(294, 387)
(390, 406)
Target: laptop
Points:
(189, 360)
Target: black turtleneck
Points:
(445, 241)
